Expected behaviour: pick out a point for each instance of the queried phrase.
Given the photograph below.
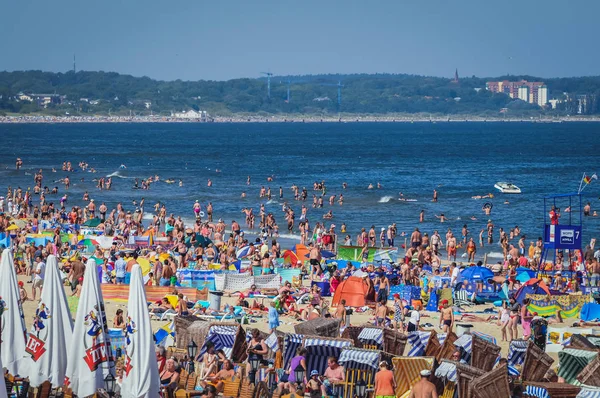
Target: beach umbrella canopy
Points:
(476, 272)
(51, 333)
(89, 354)
(12, 227)
(202, 241)
(92, 222)
(12, 332)
(87, 242)
(144, 264)
(242, 252)
(529, 272)
(140, 378)
(327, 254)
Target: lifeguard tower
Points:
(563, 218)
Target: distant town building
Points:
(523, 93)
(455, 80)
(542, 97)
(191, 114)
(553, 103)
(517, 90)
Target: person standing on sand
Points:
(446, 317)
(385, 384)
(38, 277)
(424, 388)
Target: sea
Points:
(459, 160)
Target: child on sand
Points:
(273, 318)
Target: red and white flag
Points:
(12, 322)
(51, 333)
(90, 355)
(140, 376)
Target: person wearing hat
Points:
(424, 388)
(314, 384)
(385, 385)
(446, 317)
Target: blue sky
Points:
(218, 40)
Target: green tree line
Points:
(311, 94)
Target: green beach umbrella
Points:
(92, 223)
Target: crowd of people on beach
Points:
(207, 242)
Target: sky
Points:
(225, 39)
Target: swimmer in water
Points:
(209, 183)
(370, 186)
(441, 217)
(243, 194)
(328, 215)
(180, 183)
(123, 166)
(378, 185)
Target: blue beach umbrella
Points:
(476, 272)
(523, 277)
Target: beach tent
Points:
(532, 286)
(289, 257)
(590, 312)
(523, 277)
(529, 272)
(302, 252)
(319, 349)
(354, 290)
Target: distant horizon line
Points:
(306, 75)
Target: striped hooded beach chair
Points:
(572, 361)
(516, 352)
(461, 299)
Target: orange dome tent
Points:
(353, 290)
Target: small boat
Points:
(507, 187)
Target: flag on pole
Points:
(90, 356)
(140, 376)
(12, 321)
(586, 180)
(51, 332)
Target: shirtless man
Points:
(435, 196)
(416, 238)
(340, 312)
(446, 317)
(451, 247)
(424, 388)
(380, 314)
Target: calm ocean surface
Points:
(458, 159)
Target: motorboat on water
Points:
(507, 187)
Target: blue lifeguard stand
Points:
(564, 231)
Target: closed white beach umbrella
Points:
(51, 333)
(140, 376)
(12, 322)
(3, 393)
(89, 358)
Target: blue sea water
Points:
(458, 159)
